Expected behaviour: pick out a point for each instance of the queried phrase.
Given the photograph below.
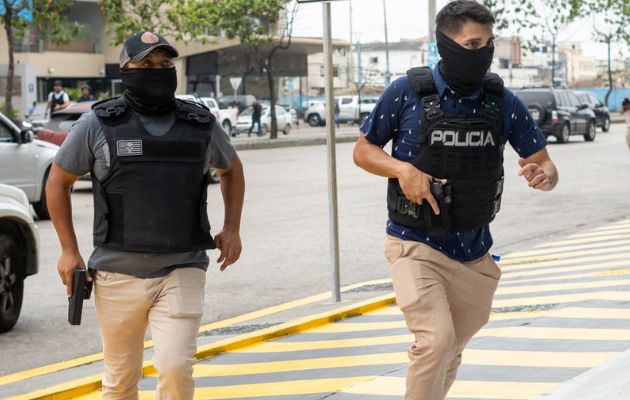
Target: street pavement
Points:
(285, 236)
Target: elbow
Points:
(357, 156)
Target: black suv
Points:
(599, 108)
(559, 113)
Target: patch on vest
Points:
(462, 138)
(128, 148)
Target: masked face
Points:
(466, 57)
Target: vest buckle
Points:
(193, 117)
(432, 109)
(111, 110)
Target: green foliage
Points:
(611, 19)
(253, 27)
(73, 93)
(186, 20)
(14, 112)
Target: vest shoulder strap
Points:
(493, 87)
(110, 108)
(493, 84)
(421, 79)
(193, 112)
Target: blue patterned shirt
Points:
(397, 116)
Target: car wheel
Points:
(41, 207)
(287, 129)
(11, 284)
(214, 176)
(565, 133)
(606, 126)
(227, 126)
(314, 120)
(592, 131)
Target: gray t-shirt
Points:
(86, 150)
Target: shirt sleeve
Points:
(50, 96)
(66, 98)
(221, 151)
(76, 155)
(523, 134)
(382, 123)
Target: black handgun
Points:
(438, 225)
(81, 290)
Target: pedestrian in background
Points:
(625, 109)
(256, 116)
(445, 183)
(337, 112)
(149, 155)
(85, 94)
(58, 99)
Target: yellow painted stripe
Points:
(607, 272)
(342, 327)
(267, 389)
(281, 347)
(569, 312)
(563, 298)
(565, 255)
(393, 310)
(487, 390)
(537, 332)
(553, 359)
(561, 286)
(556, 249)
(509, 275)
(51, 368)
(214, 370)
(70, 389)
(602, 233)
(624, 222)
(535, 263)
(601, 239)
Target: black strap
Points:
(493, 94)
(193, 112)
(110, 108)
(421, 79)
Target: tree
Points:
(258, 29)
(48, 17)
(611, 19)
(547, 17)
(185, 20)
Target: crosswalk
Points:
(561, 309)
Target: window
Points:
(573, 100)
(346, 100)
(504, 63)
(373, 60)
(5, 133)
(335, 71)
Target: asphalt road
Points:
(285, 235)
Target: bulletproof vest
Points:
(153, 198)
(467, 151)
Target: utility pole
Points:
(431, 21)
(333, 216)
(387, 73)
(349, 56)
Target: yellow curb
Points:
(87, 385)
(76, 362)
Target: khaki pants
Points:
(172, 306)
(445, 302)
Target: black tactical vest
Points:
(153, 198)
(468, 152)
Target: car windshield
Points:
(62, 122)
(545, 99)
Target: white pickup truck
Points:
(349, 110)
(227, 117)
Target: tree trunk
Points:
(8, 26)
(272, 102)
(553, 61)
(610, 79)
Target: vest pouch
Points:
(438, 225)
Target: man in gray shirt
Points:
(150, 157)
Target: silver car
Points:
(25, 163)
(19, 244)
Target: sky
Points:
(408, 19)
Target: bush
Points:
(73, 93)
(14, 112)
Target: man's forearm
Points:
(60, 209)
(375, 160)
(233, 191)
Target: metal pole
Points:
(349, 56)
(431, 20)
(387, 73)
(333, 221)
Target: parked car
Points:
(283, 117)
(244, 101)
(293, 112)
(25, 163)
(226, 116)
(19, 247)
(559, 113)
(599, 108)
(350, 111)
(59, 124)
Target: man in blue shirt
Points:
(443, 275)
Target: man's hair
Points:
(452, 17)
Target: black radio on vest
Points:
(468, 152)
(154, 196)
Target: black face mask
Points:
(462, 69)
(150, 91)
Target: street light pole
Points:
(333, 221)
(387, 73)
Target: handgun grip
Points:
(75, 302)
